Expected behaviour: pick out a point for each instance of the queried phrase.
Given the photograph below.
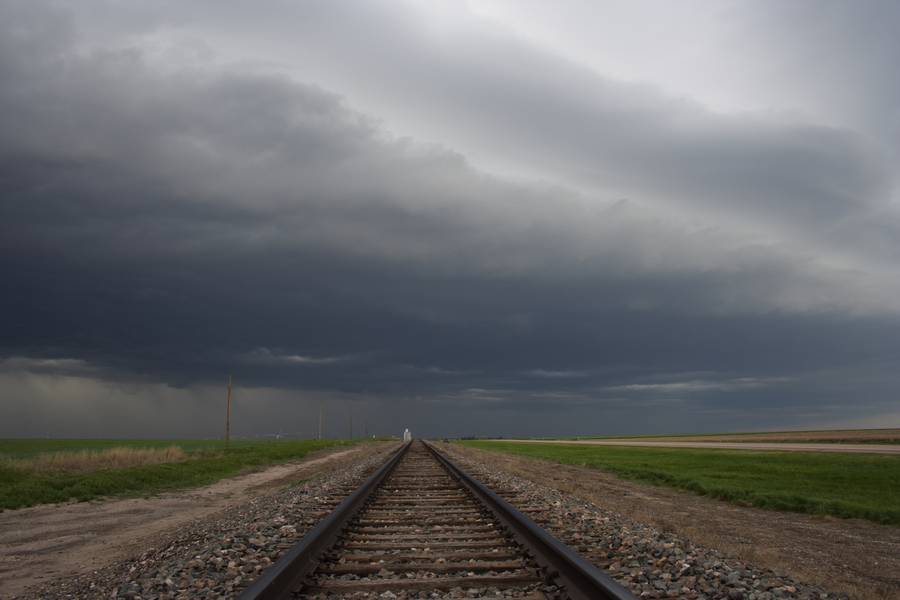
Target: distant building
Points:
(407, 436)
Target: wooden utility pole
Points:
(228, 414)
(350, 416)
(320, 420)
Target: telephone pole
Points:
(320, 420)
(228, 414)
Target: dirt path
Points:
(45, 542)
(850, 555)
(789, 447)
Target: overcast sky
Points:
(488, 217)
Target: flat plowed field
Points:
(844, 436)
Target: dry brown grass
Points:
(83, 461)
(844, 436)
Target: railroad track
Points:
(420, 527)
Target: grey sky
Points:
(493, 217)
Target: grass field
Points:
(842, 485)
(29, 475)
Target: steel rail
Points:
(581, 579)
(283, 578)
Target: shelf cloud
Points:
(454, 206)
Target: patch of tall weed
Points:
(84, 461)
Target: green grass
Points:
(864, 486)
(208, 462)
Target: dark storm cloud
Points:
(172, 222)
(496, 92)
(438, 69)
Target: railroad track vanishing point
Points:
(420, 527)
